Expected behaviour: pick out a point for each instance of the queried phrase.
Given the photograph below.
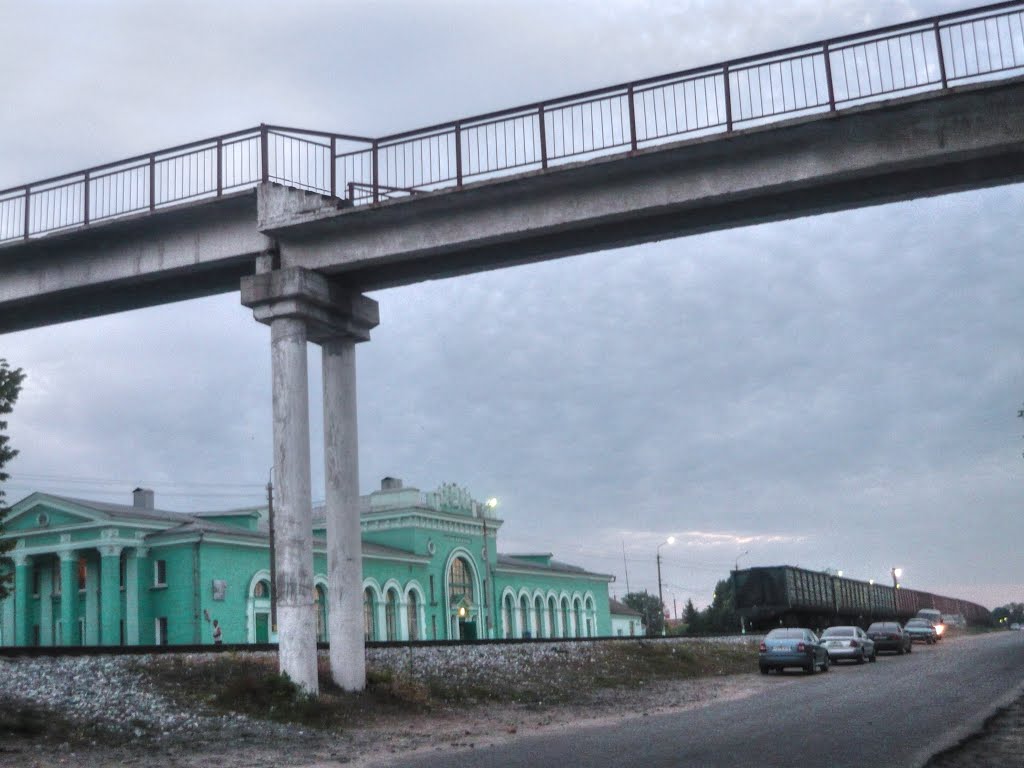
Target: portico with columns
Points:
(70, 582)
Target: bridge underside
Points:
(929, 144)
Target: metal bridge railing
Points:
(827, 76)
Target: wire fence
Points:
(933, 54)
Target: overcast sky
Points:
(838, 391)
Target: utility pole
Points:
(273, 558)
(624, 566)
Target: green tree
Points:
(10, 387)
(691, 617)
(721, 615)
(1013, 613)
(650, 609)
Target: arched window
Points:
(566, 628)
(538, 616)
(552, 617)
(460, 582)
(577, 610)
(413, 615)
(369, 610)
(261, 589)
(391, 615)
(510, 627)
(591, 617)
(524, 617)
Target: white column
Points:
(344, 537)
(293, 521)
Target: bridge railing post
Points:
(85, 199)
(632, 118)
(543, 137)
(728, 98)
(152, 182)
(942, 58)
(375, 159)
(264, 153)
(27, 216)
(333, 166)
(828, 78)
(458, 154)
(220, 167)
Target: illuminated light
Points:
(491, 502)
(670, 540)
(462, 611)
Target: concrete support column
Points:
(110, 595)
(293, 521)
(344, 537)
(301, 306)
(68, 597)
(22, 623)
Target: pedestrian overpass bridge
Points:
(305, 221)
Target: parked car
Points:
(922, 631)
(850, 643)
(954, 621)
(792, 647)
(1015, 627)
(935, 617)
(890, 636)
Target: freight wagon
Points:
(788, 596)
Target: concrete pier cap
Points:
(301, 306)
(329, 308)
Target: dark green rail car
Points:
(783, 594)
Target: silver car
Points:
(849, 643)
(792, 647)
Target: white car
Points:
(1015, 627)
(849, 643)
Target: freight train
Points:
(787, 596)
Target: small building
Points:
(626, 622)
(95, 573)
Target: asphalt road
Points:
(898, 711)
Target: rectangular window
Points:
(159, 573)
(161, 631)
(122, 571)
(36, 635)
(81, 632)
(37, 577)
(433, 600)
(55, 578)
(83, 570)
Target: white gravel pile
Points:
(111, 693)
(108, 693)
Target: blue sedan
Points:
(788, 647)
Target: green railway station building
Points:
(94, 573)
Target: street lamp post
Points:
(661, 600)
(896, 574)
(735, 598)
